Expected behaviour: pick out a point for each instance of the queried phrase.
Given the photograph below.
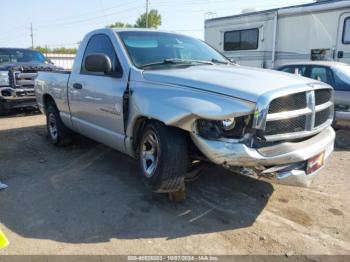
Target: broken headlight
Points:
(233, 128)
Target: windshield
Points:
(166, 49)
(342, 77)
(21, 55)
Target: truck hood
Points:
(247, 83)
(28, 66)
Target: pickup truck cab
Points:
(173, 103)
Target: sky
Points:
(63, 23)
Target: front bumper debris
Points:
(284, 163)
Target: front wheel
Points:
(58, 133)
(342, 139)
(163, 157)
(3, 109)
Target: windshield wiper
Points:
(176, 61)
(219, 61)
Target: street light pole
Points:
(146, 13)
(31, 35)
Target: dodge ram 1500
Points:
(173, 102)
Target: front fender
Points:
(181, 106)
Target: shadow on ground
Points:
(20, 112)
(88, 193)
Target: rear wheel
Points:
(342, 139)
(163, 157)
(58, 133)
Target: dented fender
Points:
(180, 106)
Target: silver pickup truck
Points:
(175, 103)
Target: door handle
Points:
(77, 86)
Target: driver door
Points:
(96, 99)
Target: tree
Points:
(60, 50)
(120, 25)
(154, 19)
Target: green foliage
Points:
(120, 25)
(61, 50)
(154, 19)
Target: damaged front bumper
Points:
(17, 98)
(283, 163)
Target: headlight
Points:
(229, 128)
(4, 78)
(228, 124)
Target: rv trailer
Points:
(316, 31)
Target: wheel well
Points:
(47, 99)
(140, 124)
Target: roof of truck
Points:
(278, 9)
(133, 29)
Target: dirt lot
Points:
(88, 199)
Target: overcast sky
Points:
(59, 23)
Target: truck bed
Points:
(54, 83)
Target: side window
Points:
(301, 70)
(321, 74)
(297, 70)
(288, 69)
(241, 40)
(101, 44)
(341, 80)
(346, 31)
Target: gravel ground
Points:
(88, 199)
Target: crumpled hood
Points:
(242, 82)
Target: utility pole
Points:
(31, 35)
(146, 13)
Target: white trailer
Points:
(316, 31)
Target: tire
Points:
(342, 139)
(58, 133)
(3, 109)
(163, 158)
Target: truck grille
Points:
(23, 79)
(288, 103)
(300, 113)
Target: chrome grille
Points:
(298, 115)
(287, 103)
(322, 96)
(23, 79)
(295, 124)
(322, 116)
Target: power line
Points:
(89, 19)
(87, 13)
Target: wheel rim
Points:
(53, 126)
(149, 153)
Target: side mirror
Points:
(98, 63)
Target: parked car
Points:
(270, 38)
(170, 101)
(338, 76)
(18, 69)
